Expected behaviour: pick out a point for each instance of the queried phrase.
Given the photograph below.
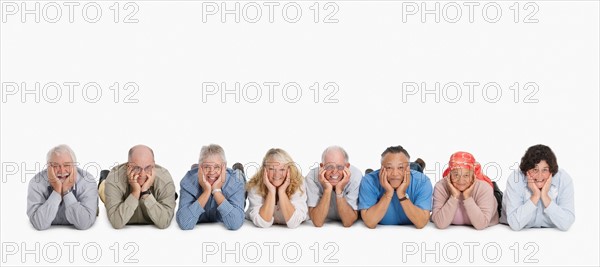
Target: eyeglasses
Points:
(211, 167)
(331, 167)
(138, 169)
(65, 165)
(455, 176)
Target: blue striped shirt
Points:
(230, 212)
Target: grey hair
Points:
(59, 150)
(395, 150)
(210, 150)
(335, 148)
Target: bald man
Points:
(332, 189)
(139, 191)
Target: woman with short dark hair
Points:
(539, 194)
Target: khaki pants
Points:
(101, 190)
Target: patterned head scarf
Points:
(467, 161)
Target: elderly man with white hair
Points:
(333, 189)
(62, 194)
(211, 192)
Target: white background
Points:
(369, 53)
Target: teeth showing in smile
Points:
(62, 176)
(334, 177)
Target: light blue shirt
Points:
(519, 212)
(230, 212)
(419, 191)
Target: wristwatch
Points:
(216, 190)
(403, 198)
(147, 192)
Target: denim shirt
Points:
(230, 212)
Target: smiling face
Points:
(212, 167)
(462, 178)
(395, 165)
(63, 165)
(334, 164)
(276, 171)
(540, 173)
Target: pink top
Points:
(480, 210)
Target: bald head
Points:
(141, 158)
(334, 154)
(140, 153)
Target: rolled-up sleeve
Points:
(301, 209)
(256, 202)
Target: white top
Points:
(298, 199)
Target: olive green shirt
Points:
(123, 208)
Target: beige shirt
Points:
(123, 208)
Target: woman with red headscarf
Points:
(465, 196)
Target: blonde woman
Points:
(276, 192)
